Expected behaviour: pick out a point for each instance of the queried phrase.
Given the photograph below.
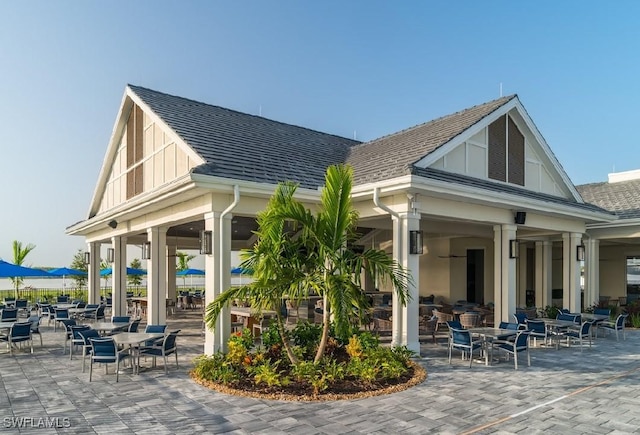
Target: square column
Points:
(571, 272)
(504, 273)
(400, 252)
(157, 277)
(592, 272)
(543, 273)
(119, 277)
(411, 262)
(171, 273)
(93, 273)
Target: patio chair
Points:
(617, 325)
(21, 305)
(154, 329)
(622, 301)
(105, 351)
(293, 311)
(90, 312)
(167, 348)
(35, 326)
(133, 326)
(460, 339)
(86, 345)
(60, 315)
(537, 329)
(470, 320)
(427, 326)
(20, 332)
(520, 318)
(76, 339)
(49, 312)
(584, 333)
(9, 315)
(443, 317)
(454, 324)
(520, 344)
(67, 323)
(62, 299)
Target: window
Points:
(633, 278)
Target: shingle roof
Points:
(247, 147)
(393, 155)
(621, 198)
(503, 188)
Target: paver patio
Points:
(564, 391)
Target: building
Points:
(474, 204)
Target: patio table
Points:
(64, 306)
(596, 317)
(556, 326)
(104, 327)
(488, 335)
(133, 341)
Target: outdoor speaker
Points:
(520, 217)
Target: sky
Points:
(355, 68)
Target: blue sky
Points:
(369, 67)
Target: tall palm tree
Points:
(298, 253)
(19, 254)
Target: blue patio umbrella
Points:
(241, 271)
(10, 270)
(130, 271)
(187, 272)
(64, 271)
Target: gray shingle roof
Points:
(621, 198)
(247, 147)
(393, 155)
(503, 188)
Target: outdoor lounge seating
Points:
(460, 339)
(86, 345)
(9, 315)
(20, 332)
(35, 326)
(60, 315)
(105, 351)
(617, 325)
(470, 320)
(443, 317)
(519, 345)
(76, 339)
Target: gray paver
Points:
(599, 391)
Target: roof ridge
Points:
(134, 87)
(506, 99)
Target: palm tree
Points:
(19, 254)
(298, 252)
(183, 263)
(135, 280)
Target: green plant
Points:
(354, 348)
(267, 373)
(551, 311)
(237, 352)
(244, 338)
(214, 368)
(634, 319)
(307, 336)
(271, 337)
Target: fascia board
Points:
(387, 186)
(252, 188)
(465, 135)
(620, 223)
(511, 201)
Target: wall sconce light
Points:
(580, 252)
(513, 248)
(206, 242)
(146, 251)
(113, 223)
(415, 242)
(111, 255)
(520, 217)
(87, 257)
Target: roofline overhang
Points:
(422, 185)
(619, 223)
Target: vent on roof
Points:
(616, 177)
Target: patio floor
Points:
(564, 391)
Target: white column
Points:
(223, 255)
(543, 273)
(497, 274)
(171, 273)
(571, 272)
(505, 273)
(119, 277)
(212, 343)
(399, 253)
(93, 277)
(157, 277)
(410, 312)
(592, 272)
(521, 275)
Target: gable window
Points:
(506, 151)
(135, 153)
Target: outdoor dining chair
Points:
(105, 351)
(133, 326)
(76, 339)
(537, 329)
(154, 329)
(167, 348)
(9, 315)
(519, 345)
(60, 316)
(35, 326)
(584, 333)
(86, 345)
(460, 339)
(618, 325)
(20, 332)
